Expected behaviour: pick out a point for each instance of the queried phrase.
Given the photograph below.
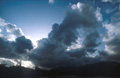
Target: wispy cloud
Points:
(106, 0)
(51, 1)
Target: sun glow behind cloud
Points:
(65, 42)
(12, 62)
(27, 64)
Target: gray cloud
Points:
(90, 42)
(51, 52)
(6, 49)
(80, 22)
(14, 30)
(112, 39)
(14, 49)
(66, 31)
(23, 44)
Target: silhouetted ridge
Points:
(96, 69)
(108, 69)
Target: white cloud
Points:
(11, 37)
(98, 14)
(0, 30)
(11, 62)
(76, 45)
(106, 0)
(2, 22)
(11, 30)
(113, 33)
(8, 62)
(112, 29)
(77, 6)
(51, 1)
(27, 64)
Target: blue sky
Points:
(32, 15)
(86, 27)
(40, 14)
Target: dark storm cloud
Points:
(106, 56)
(90, 42)
(47, 53)
(66, 32)
(112, 39)
(89, 45)
(114, 44)
(114, 47)
(13, 49)
(77, 53)
(22, 44)
(6, 49)
(51, 52)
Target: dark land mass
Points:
(107, 69)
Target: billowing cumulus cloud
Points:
(14, 49)
(13, 44)
(11, 31)
(52, 51)
(22, 44)
(14, 30)
(75, 41)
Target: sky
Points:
(54, 33)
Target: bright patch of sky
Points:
(34, 19)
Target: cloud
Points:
(73, 42)
(8, 62)
(77, 6)
(90, 42)
(52, 51)
(13, 44)
(2, 22)
(112, 1)
(110, 10)
(14, 30)
(15, 49)
(106, 0)
(22, 44)
(51, 1)
(10, 31)
(112, 39)
(0, 30)
(98, 14)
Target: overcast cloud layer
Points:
(73, 42)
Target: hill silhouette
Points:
(108, 69)
(20, 72)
